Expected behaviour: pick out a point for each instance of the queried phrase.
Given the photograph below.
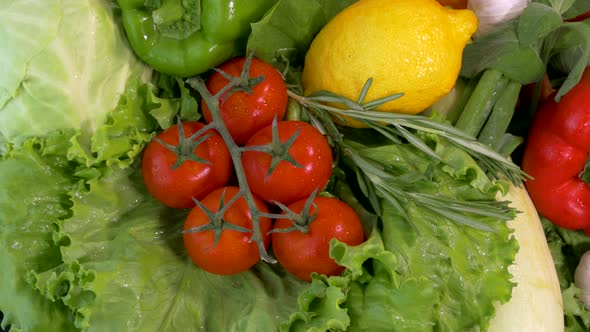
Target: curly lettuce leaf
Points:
(37, 182)
(126, 130)
(422, 272)
(112, 258)
(118, 261)
(321, 307)
(32, 199)
(125, 268)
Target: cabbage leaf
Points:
(64, 64)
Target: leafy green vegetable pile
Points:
(545, 39)
(85, 247)
(567, 247)
(101, 250)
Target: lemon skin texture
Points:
(412, 47)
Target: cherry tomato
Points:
(303, 253)
(234, 253)
(177, 187)
(288, 183)
(246, 113)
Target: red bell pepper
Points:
(456, 4)
(580, 17)
(556, 156)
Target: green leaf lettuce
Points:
(85, 246)
(420, 273)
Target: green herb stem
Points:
(465, 93)
(501, 115)
(293, 112)
(480, 103)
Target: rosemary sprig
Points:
(392, 189)
(400, 125)
(373, 176)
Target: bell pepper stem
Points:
(169, 12)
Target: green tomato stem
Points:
(585, 175)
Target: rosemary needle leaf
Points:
(389, 187)
(462, 219)
(418, 143)
(378, 102)
(330, 97)
(493, 163)
(364, 91)
(373, 177)
(386, 132)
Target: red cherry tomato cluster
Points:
(285, 163)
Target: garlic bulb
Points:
(492, 13)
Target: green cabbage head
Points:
(63, 64)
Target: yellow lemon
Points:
(412, 47)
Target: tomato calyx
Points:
(217, 223)
(186, 145)
(585, 174)
(243, 83)
(276, 149)
(300, 220)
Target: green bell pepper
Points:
(188, 37)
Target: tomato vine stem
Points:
(213, 103)
(279, 151)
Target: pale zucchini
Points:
(536, 303)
